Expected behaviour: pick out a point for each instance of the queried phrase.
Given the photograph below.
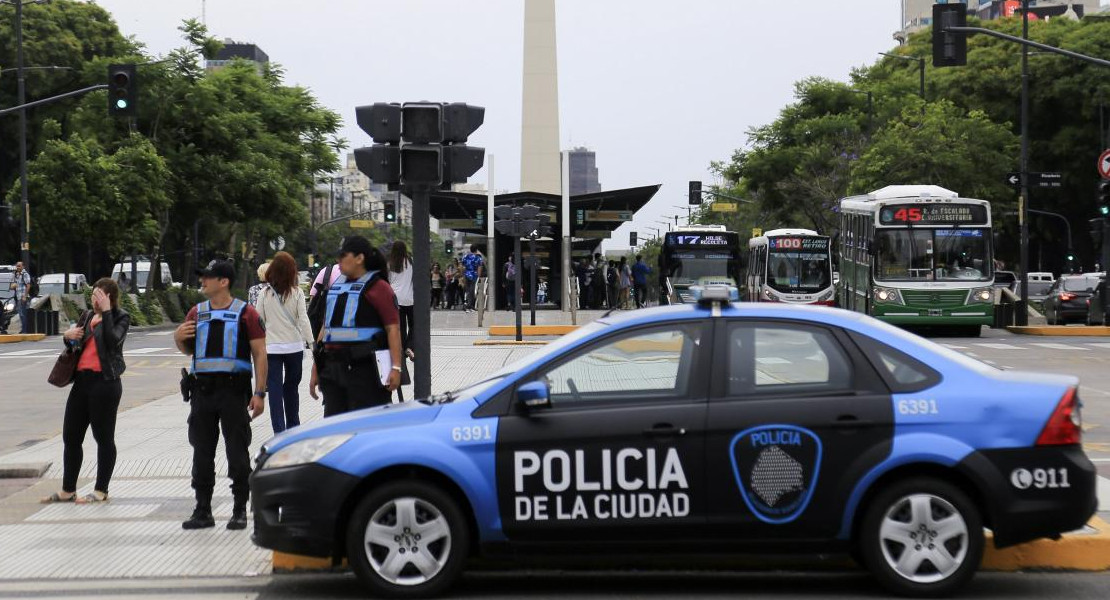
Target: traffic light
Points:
(123, 91)
(448, 247)
(695, 192)
(419, 143)
(1103, 197)
(949, 47)
(390, 208)
(632, 238)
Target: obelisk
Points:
(539, 139)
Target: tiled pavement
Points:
(138, 533)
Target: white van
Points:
(55, 283)
(121, 273)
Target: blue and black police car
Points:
(687, 431)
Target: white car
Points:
(55, 283)
(122, 274)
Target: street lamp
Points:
(920, 67)
(656, 230)
(689, 211)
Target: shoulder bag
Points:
(66, 365)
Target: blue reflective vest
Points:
(347, 330)
(225, 359)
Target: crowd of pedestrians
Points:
(611, 284)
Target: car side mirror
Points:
(533, 395)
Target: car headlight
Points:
(305, 451)
(888, 295)
(985, 294)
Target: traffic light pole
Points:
(421, 337)
(532, 277)
(1023, 203)
(516, 289)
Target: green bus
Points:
(917, 255)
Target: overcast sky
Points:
(658, 89)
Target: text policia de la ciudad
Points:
(626, 483)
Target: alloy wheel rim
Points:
(407, 541)
(924, 538)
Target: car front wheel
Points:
(922, 538)
(407, 539)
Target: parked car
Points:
(1067, 298)
(55, 283)
(1096, 315)
(668, 434)
(122, 274)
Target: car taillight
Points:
(1066, 295)
(1064, 426)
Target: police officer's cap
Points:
(219, 269)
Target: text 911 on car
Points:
(686, 431)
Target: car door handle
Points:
(849, 422)
(664, 430)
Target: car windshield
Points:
(530, 359)
(798, 271)
(701, 267)
(933, 254)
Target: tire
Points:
(899, 513)
(407, 513)
(1048, 318)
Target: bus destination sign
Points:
(933, 214)
(799, 243)
(697, 239)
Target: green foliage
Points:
(72, 311)
(964, 136)
(127, 302)
(235, 148)
(189, 298)
(151, 307)
(170, 303)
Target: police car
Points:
(688, 431)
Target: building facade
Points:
(583, 171)
(918, 14)
(233, 50)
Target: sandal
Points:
(56, 497)
(96, 497)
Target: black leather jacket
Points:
(109, 336)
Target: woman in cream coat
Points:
(282, 308)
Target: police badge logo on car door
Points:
(776, 468)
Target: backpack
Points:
(318, 306)
(510, 271)
(33, 287)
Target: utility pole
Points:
(21, 98)
(1023, 201)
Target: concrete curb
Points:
(509, 343)
(1084, 550)
(505, 330)
(1060, 330)
(21, 337)
(24, 470)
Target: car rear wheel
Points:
(922, 538)
(1049, 318)
(407, 539)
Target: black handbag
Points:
(65, 367)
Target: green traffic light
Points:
(1104, 209)
(121, 104)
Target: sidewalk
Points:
(138, 533)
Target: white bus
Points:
(790, 265)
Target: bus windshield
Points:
(702, 267)
(798, 271)
(933, 254)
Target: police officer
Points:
(362, 318)
(223, 334)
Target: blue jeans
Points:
(285, 397)
(24, 309)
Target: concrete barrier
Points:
(1061, 330)
(509, 330)
(21, 337)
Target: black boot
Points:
(238, 517)
(201, 519)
